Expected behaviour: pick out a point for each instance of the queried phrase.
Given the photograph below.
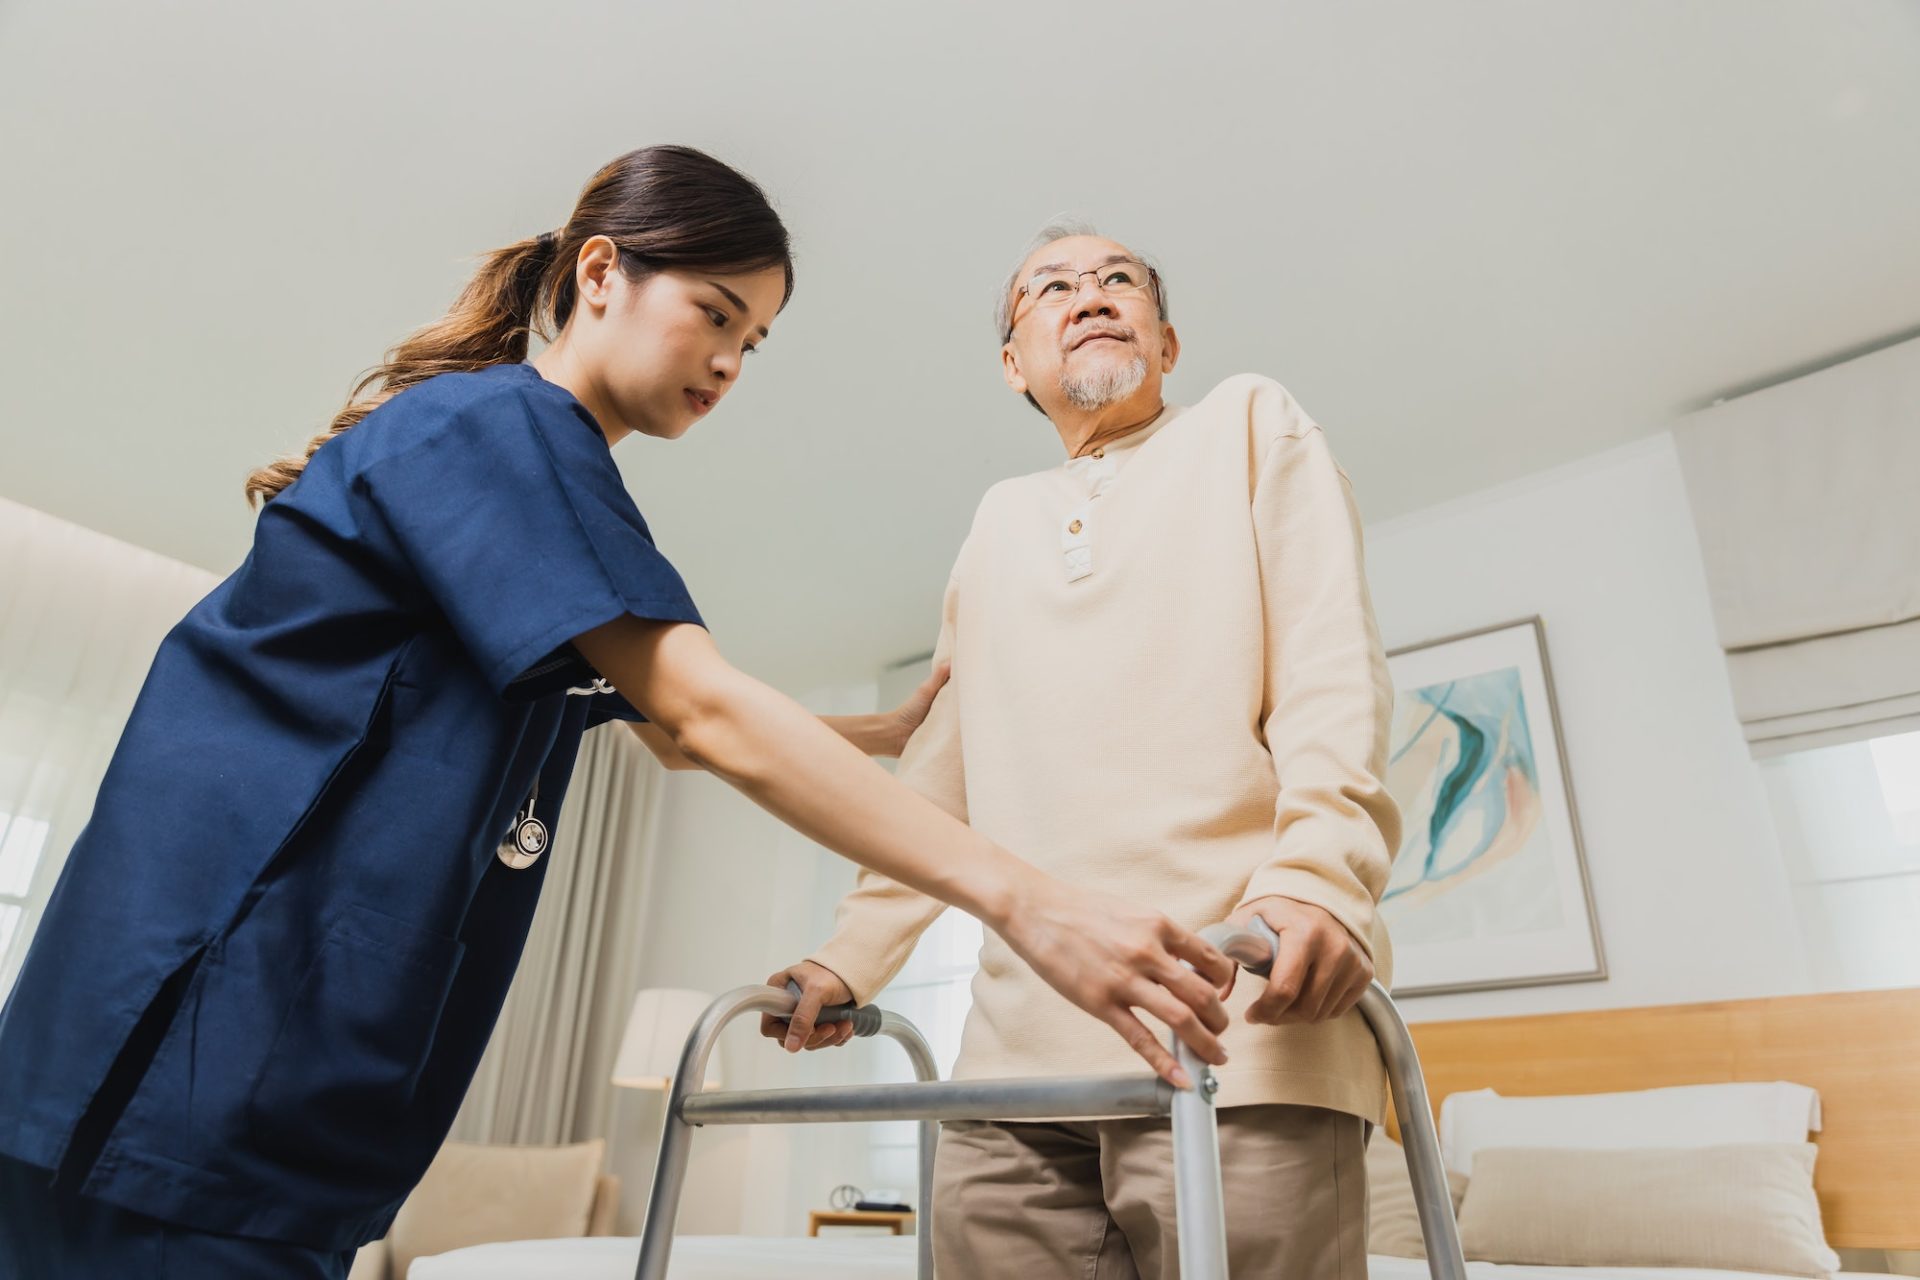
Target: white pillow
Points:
(1748, 1208)
(1393, 1220)
(1694, 1115)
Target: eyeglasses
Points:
(1059, 287)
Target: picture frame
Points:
(1489, 888)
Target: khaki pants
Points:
(1093, 1200)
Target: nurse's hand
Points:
(1111, 958)
(885, 733)
(819, 987)
(891, 730)
(912, 713)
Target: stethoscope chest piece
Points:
(528, 838)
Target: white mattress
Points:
(842, 1257)
(849, 1257)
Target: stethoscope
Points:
(528, 837)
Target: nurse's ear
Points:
(596, 273)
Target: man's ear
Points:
(1010, 369)
(1169, 348)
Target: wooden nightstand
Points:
(901, 1223)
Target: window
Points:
(1897, 762)
(1849, 823)
(21, 841)
(84, 614)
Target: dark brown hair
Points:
(665, 207)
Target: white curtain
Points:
(544, 1078)
(81, 615)
(1807, 500)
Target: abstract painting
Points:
(1489, 887)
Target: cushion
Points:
(1393, 1224)
(479, 1194)
(370, 1262)
(1747, 1207)
(1697, 1115)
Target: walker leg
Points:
(676, 1135)
(920, 1054)
(1199, 1202)
(1410, 1103)
(663, 1201)
(1254, 947)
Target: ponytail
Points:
(664, 207)
(489, 324)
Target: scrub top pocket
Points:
(339, 1081)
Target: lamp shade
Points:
(656, 1032)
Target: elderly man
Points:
(1166, 683)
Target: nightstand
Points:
(902, 1223)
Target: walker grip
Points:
(1253, 946)
(866, 1021)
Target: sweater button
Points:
(1074, 527)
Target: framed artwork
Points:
(1489, 888)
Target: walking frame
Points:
(1198, 1199)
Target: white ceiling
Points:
(1476, 238)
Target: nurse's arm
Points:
(1107, 956)
(884, 733)
(661, 745)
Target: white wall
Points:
(1687, 873)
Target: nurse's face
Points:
(663, 352)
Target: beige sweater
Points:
(1166, 685)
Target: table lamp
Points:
(657, 1031)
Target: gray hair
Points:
(1060, 228)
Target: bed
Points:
(858, 1258)
(1859, 1050)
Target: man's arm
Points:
(1327, 707)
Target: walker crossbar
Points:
(1043, 1098)
(1198, 1195)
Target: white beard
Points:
(1103, 386)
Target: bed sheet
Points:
(851, 1257)
(840, 1257)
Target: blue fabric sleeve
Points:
(611, 706)
(514, 518)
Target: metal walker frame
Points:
(1198, 1194)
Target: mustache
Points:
(1085, 336)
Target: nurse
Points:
(266, 976)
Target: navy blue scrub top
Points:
(266, 976)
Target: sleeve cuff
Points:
(864, 970)
(1355, 911)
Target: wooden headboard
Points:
(1859, 1049)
